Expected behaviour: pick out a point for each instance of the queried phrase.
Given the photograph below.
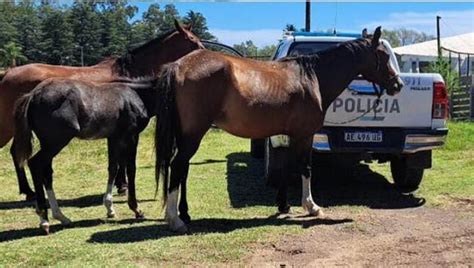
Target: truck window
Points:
(307, 48)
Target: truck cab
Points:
(402, 129)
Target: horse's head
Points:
(182, 40)
(148, 58)
(377, 68)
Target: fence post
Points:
(472, 102)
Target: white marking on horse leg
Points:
(57, 214)
(307, 198)
(176, 224)
(108, 203)
(43, 215)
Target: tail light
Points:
(440, 101)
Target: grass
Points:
(231, 207)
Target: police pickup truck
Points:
(403, 129)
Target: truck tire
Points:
(275, 163)
(406, 179)
(257, 148)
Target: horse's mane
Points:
(310, 64)
(125, 60)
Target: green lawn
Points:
(231, 207)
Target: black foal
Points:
(58, 110)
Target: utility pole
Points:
(307, 27)
(438, 36)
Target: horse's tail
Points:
(23, 135)
(167, 126)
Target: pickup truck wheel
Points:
(257, 149)
(406, 179)
(275, 163)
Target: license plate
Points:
(363, 136)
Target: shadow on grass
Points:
(207, 161)
(331, 187)
(33, 232)
(201, 226)
(80, 202)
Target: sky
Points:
(262, 22)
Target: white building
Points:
(416, 58)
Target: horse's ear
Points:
(364, 33)
(376, 38)
(178, 26)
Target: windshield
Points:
(307, 48)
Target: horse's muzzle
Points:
(396, 86)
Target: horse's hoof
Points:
(45, 227)
(66, 222)
(111, 215)
(140, 215)
(182, 230)
(185, 218)
(316, 212)
(177, 226)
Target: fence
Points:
(462, 100)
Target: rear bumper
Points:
(396, 140)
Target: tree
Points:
(199, 25)
(28, 26)
(451, 77)
(8, 32)
(404, 37)
(247, 48)
(11, 55)
(408, 37)
(116, 30)
(169, 15)
(85, 24)
(267, 51)
(153, 19)
(391, 37)
(57, 39)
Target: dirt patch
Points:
(375, 237)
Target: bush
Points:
(451, 77)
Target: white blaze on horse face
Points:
(57, 214)
(307, 199)
(176, 224)
(108, 203)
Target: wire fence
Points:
(462, 100)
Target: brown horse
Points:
(255, 99)
(145, 60)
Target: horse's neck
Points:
(149, 97)
(146, 63)
(335, 72)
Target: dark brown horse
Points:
(143, 61)
(255, 99)
(59, 109)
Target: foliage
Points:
(198, 23)
(403, 37)
(11, 55)
(249, 49)
(450, 76)
(85, 31)
(57, 44)
(85, 23)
